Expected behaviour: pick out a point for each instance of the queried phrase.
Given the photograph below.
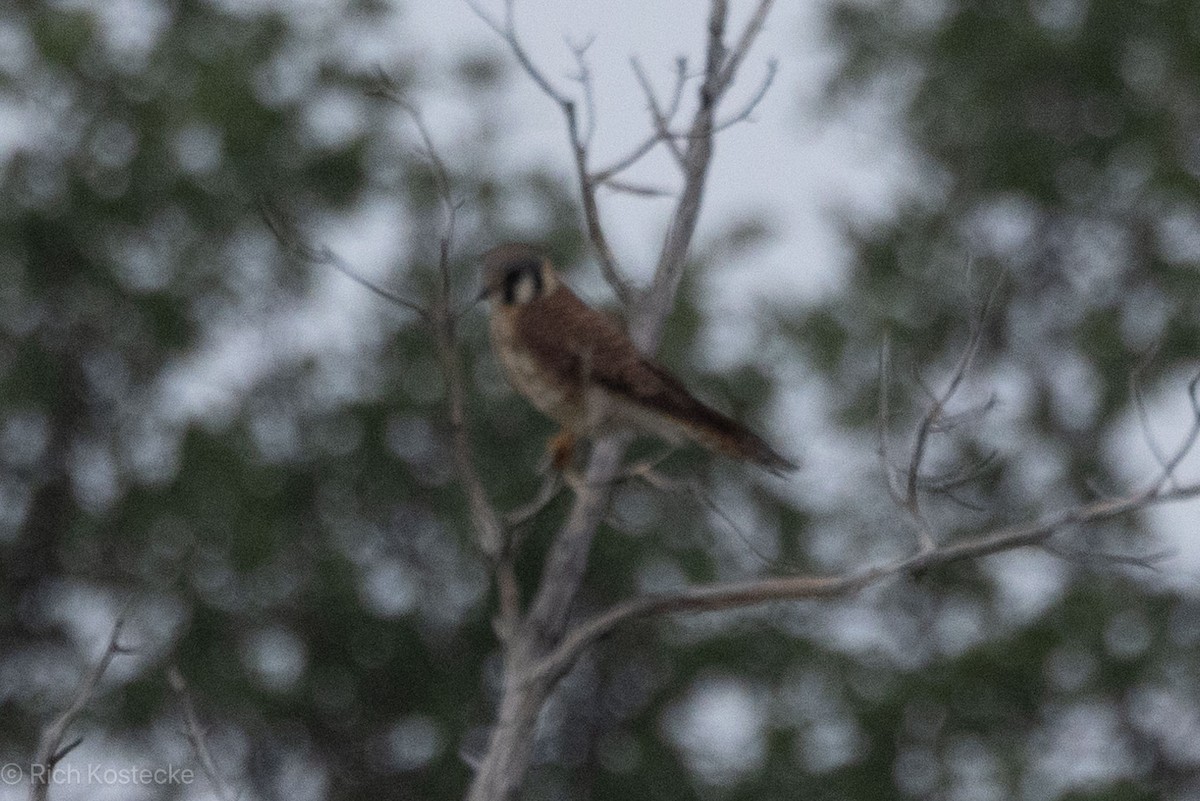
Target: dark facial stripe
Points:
(518, 272)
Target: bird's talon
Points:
(561, 450)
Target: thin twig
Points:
(754, 101)
(655, 136)
(50, 747)
(637, 190)
(1139, 402)
(196, 735)
(545, 496)
(1189, 440)
(584, 78)
(745, 42)
(935, 420)
(660, 118)
(443, 320)
(693, 491)
(883, 424)
(508, 32)
(297, 247)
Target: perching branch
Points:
(50, 748)
(525, 689)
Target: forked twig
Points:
(50, 747)
(934, 420)
(299, 248)
(507, 31)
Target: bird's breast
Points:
(552, 394)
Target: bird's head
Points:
(516, 274)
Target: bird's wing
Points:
(575, 340)
(578, 341)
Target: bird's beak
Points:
(483, 293)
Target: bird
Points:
(578, 367)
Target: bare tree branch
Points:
(525, 688)
(545, 495)
(489, 529)
(637, 190)
(442, 319)
(196, 735)
(692, 490)
(660, 132)
(883, 424)
(1139, 402)
(661, 119)
(935, 420)
(297, 247)
(753, 27)
(584, 78)
(579, 145)
(1189, 440)
(50, 747)
(734, 595)
(507, 31)
(720, 68)
(754, 101)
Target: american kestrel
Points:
(579, 368)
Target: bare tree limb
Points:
(753, 27)
(545, 495)
(579, 144)
(935, 420)
(754, 101)
(1139, 402)
(884, 423)
(196, 735)
(637, 190)
(1189, 441)
(584, 78)
(442, 320)
(50, 747)
(720, 68)
(733, 595)
(525, 688)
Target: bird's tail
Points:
(727, 436)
